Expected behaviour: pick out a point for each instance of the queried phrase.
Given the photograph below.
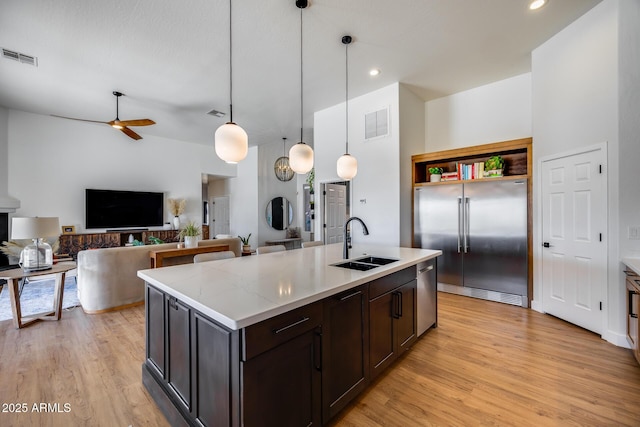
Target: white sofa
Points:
(108, 280)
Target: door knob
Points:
(546, 245)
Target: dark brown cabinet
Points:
(178, 335)
(345, 349)
(392, 319)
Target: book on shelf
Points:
(470, 171)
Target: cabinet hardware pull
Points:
(635, 316)
(459, 219)
(346, 297)
(317, 354)
(399, 304)
(277, 331)
(429, 268)
(630, 273)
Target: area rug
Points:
(37, 297)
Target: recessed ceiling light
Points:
(374, 72)
(537, 4)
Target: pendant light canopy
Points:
(347, 165)
(281, 167)
(301, 155)
(231, 141)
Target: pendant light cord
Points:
(301, 90)
(346, 103)
(230, 69)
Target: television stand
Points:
(127, 230)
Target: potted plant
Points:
(176, 207)
(494, 166)
(436, 174)
(246, 247)
(190, 234)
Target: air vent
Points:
(20, 57)
(216, 113)
(376, 124)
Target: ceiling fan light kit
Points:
(231, 141)
(347, 165)
(301, 155)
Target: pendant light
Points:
(347, 165)
(281, 166)
(301, 155)
(231, 141)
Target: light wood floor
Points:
(486, 364)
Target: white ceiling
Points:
(171, 58)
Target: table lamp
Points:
(38, 255)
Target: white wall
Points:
(412, 141)
(4, 151)
(269, 187)
(628, 107)
(243, 199)
(376, 187)
(575, 104)
(499, 111)
(52, 161)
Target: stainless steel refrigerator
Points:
(481, 228)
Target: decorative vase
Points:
(435, 177)
(246, 248)
(176, 222)
(190, 241)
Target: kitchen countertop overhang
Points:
(242, 291)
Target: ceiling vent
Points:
(376, 124)
(20, 57)
(216, 113)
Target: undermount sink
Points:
(366, 263)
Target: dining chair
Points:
(214, 256)
(312, 243)
(268, 249)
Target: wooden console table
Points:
(158, 257)
(13, 276)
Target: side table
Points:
(13, 277)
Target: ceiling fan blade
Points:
(138, 122)
(80, 120)
(130, 133)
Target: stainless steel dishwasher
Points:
(427, 304)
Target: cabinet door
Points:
(381, 336)
(155, 330)
(405, 316)
(282, 386)
(214, 366)
(178, 348)
(633, 303)
(345, 358)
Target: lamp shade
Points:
(301, 158)
(231, 143)
(347, 166)
(34, 227)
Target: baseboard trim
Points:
(616, 338)
(120, 307)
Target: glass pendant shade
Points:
(231, 143)
(347, 166)
(301, 158)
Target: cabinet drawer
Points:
(388, 283)
(269, 333)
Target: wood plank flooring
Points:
(486, 364)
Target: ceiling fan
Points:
(117, 123)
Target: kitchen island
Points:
(284, 338)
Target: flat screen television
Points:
(123, 209)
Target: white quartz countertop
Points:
(632, 263)
(241, 291)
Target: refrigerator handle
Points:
(459, 219)
(466, 225)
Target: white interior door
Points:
(574, 256)
(335, 203)
(220, 218)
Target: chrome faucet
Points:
(347, 236)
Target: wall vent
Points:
(216, 113)
(20, 57)
(376, 124)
